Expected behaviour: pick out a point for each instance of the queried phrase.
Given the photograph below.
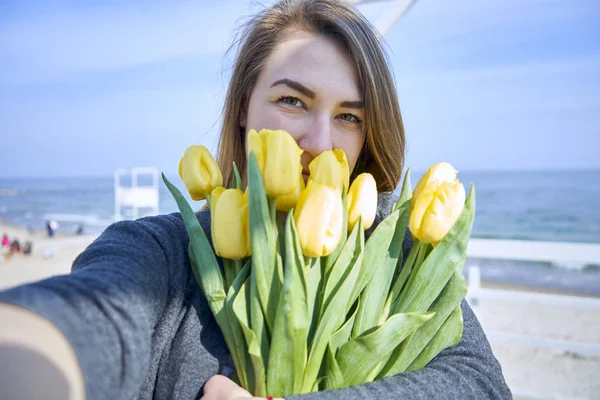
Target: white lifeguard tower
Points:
(136, 197)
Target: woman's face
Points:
(309, 88)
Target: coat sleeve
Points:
(109, 305)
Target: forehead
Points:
(315, 61)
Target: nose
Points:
(317, 138)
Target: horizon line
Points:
(483, 170)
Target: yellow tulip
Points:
(319, 219)
(214, 196)
(289, 201)
(278, 157)
(362, 201)
(199, 172)
(436, 209)
(230, 225)
(441, 171)
(330, 168)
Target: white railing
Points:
(476, 292)
(571, 255)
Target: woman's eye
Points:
(350, 118)
(292, 101)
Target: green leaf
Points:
(237, 181)
(240, 350)
(206, 268)
(376, 252)
(450, 298)
(288, 344)
(382, 252)
(448, 335)
(342, 335)
(415, 258)
(263, 241)
(315, 294)
(334, 311)
(203, 262)
(427, 281)
(256, 374)
(229, 269)
(333, 379)
(405, 193)
(402, 271)
(257, 320)
(343, 266)
(360, 358)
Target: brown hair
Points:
(383, 153)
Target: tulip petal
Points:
(330, 168)
(199, 172)
(214, 197)
(442, 171)
(256, 145)
(319, 219)
(282, 163)
(420, 206)
(362, 201)
(288, 201)
(443, 211)
(230, 225)
(345, 168)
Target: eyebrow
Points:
(310, 94)
(353, 104)
(296, 86)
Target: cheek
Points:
(268, 116)
(352, 145)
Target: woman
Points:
(130, 321)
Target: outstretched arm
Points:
(101, 316)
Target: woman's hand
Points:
(220, 387)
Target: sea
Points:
(555, 206)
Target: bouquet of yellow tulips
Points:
(304, 302)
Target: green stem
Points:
(416, 253)
(237, 266)
(307, 261)
(229, 273)
(272, 212)
(209, 202)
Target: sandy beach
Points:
(62, 250)
(532, 373)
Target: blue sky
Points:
(90, 86)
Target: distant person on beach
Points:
(79, 230)
(51, 227)
(5, 248)
(130, 321)
(27, 247)
(15, 246)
